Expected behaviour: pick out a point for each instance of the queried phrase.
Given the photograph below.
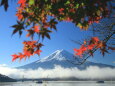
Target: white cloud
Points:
(59, 72)
(3, 65)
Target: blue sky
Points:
(59, 40)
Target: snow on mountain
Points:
(60, 57)
(57, 55)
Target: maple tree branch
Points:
(84, 59)
(106, 40)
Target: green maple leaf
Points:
(31, 2)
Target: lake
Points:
(59, 83)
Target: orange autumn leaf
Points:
(91, 46)
(80, 51)
(83, 48)
(21, 56)
(22, 3)
(29, 42)
(61, 11)
(30, 48)
(38, 52)
(94, 43)
(88, 46)
(28, 53)
(96, 39)
(36, 29)
(14, 57)
(19, 15)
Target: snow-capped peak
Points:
(57, 55)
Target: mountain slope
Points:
(60, 57)
(4, 78)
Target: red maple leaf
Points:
(14, 57)
(22, 3)
(80, 51)
(96, 39)
(36, 29)
(27, 53)
(38, 52)
(21, 56)
(61, 10)
(90, 47)
(19, 15)
(83, 48)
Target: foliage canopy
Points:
(40, 17)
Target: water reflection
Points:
(72, 83)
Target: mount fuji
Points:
(62, 58)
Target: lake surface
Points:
(59, 83)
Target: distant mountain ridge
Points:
(60, 57)
(4, 78)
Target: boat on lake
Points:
(39, 81)
(100, 81)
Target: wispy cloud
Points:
(91, 72)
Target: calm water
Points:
(59, 83)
